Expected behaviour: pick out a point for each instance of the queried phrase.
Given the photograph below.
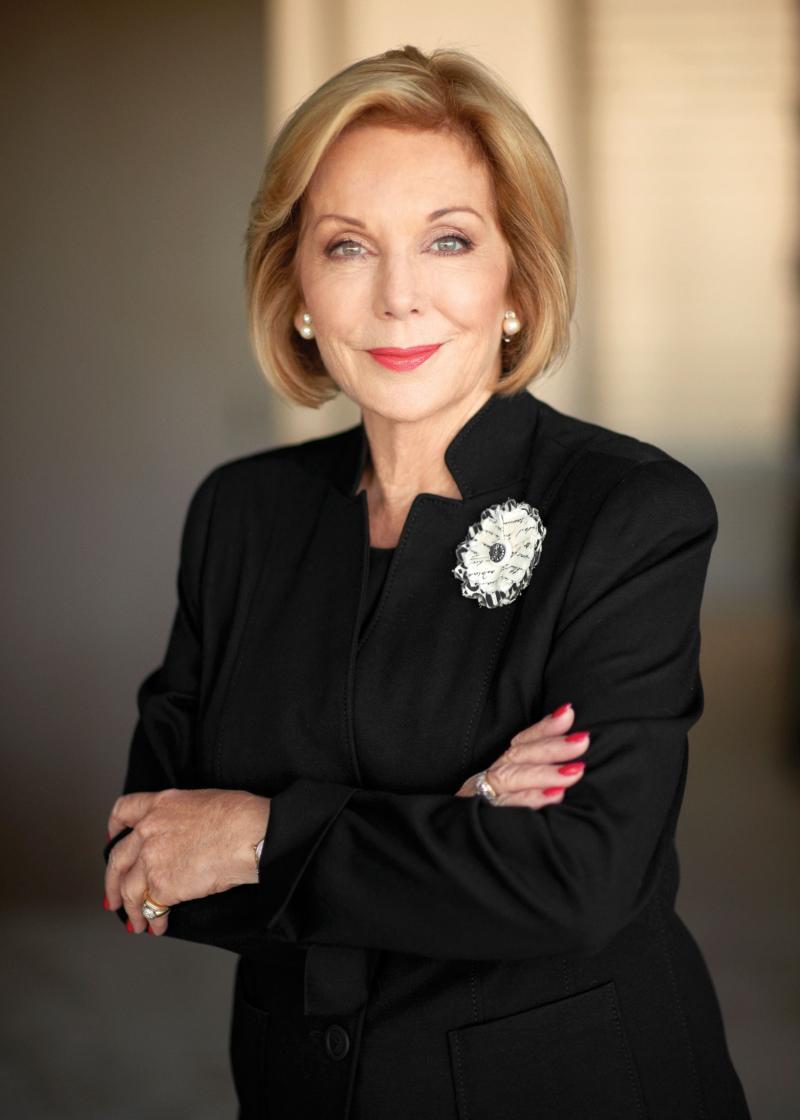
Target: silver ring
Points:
(484, 788)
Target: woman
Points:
(418, 744)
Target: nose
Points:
(399, 286)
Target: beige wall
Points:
(692, 151)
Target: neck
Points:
(406, 457)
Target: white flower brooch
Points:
(500, 551)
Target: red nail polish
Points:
(129, 926)
(106, 903)
(575, 737)
(560, 711)
(553, 791)
(571, 768)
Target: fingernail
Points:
(571, 768)
(553, 791)
(129, 926)
(576, 737)
(560, 711)
(106, 903)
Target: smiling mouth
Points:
(394, 357)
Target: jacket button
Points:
(337, 1042)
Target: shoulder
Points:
(234, 506)
(631, 476)
(644, 523)
(288, 467)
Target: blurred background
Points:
(135, 136)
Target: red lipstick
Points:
(393, 357)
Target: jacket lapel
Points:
(415, 725)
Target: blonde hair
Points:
(448, 90)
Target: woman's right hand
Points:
(531, 772)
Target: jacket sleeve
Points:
(161, 748)
(449, 877)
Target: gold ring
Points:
(152, 909)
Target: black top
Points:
(379, 561)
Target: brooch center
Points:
(496, 552)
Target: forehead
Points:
(383, 167)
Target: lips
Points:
(394, 357)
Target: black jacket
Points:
(408, 953)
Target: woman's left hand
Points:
(185, 844)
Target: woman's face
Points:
(386, 273)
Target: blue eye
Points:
(465, 241)
(330, 249)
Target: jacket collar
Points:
(490, 450)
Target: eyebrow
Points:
(431, 217)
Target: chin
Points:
(408, 402)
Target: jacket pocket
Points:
(248, 1057)
(568, 1059)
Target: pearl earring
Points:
(307, 331)
(511, 325)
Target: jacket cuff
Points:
(299, 817)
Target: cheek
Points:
(472, 299)
(339, 357)
(474, 288)
(339, 301)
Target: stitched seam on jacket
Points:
(475, 984)
(700, 1095)
(460, 1078)
(566, 976)
(628, 1062)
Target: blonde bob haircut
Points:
(448, 90)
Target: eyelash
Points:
(443, 237)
